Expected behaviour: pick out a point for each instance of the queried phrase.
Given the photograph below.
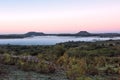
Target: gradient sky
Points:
(59, 16)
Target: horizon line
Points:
(58, 32)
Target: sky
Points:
(59, 16)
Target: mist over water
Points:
(51, 40)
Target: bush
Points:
(63, 61)
(45, 67)
(7, 58)
(20, 64)
(59, 50)
(76, 69)
(92, 70)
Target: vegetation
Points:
(78, 60)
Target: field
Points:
(64, 61)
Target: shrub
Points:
(20, 63)
(45, 67)
(92, 70)
(7, 58)
(59, 50)
(63, 61)
(100, 61)
(76, 69)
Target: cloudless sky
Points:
(59, 16)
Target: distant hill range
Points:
(81, 33)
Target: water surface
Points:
(50, 40)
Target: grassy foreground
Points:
(70, 61)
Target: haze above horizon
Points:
(59, 16)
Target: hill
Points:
(81, 34)
(34, 34)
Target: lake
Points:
(50, 40)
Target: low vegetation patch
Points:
(78, 60)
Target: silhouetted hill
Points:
(29, 34)
(81, 33)
(34, 34)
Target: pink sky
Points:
(95, 17)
